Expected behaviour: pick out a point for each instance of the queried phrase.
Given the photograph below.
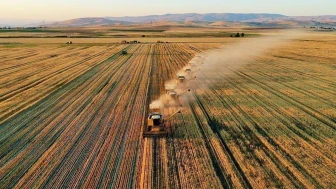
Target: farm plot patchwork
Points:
(270, 123)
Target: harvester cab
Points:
(155, 118)
(170, 90)
(180, 79)
(171, 94)
(156, 124)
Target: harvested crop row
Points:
(268, 128)
(247, 146)
(55, 57)
(53, 129)
(266, 124)
(169, 168)
(19, 95)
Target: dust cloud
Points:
(214, 63)
(157, 104)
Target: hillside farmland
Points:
(72, 117)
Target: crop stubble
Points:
(72, 116)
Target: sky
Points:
(57, 10)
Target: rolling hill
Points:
(91, 21)
(210, 19)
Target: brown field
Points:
(112, 40)
(72, 116)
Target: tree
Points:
(237, 35)
(230, 35)
(242, 34)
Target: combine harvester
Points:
(180, 79)
(156, 124)
(172, 94)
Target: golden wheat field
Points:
(72, 116)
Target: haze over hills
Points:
(209, 19)
(88, 22)
(252, 19)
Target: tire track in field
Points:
(302, 91)
(323, 118)
(59, 92)
(50, 55)
(38, 81)
(36, 97)
(263, 132)
(219, 169)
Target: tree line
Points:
(238, 35)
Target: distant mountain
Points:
(210, 17)
(224, 19)
(91, 21)
(325, 18)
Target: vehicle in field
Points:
(187, 70)
(156, 124)
(180, 79)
